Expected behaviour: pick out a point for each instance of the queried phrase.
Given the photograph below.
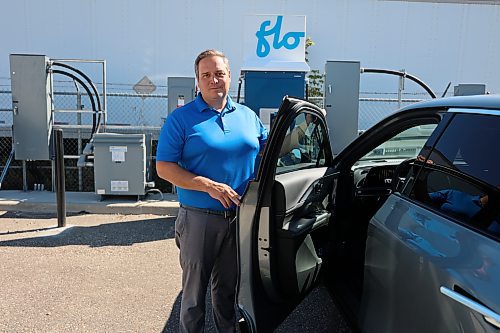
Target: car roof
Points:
(461, 103)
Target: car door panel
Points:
(279, 217)
(299, 263)
(288, 227)
(288, 263)
(297, 184)
(405, 243)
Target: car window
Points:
(470, 144)
(303, 145)
(461, 178)
(404, 145)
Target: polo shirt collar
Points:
(201, 105)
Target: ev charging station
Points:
(274, 64)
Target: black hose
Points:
(77, 79)
(403, 74)
(94, 88)
(55, 63)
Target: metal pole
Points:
(53, 115)
(53, 172)
(25, 178)
(79, 122)
(105, 95)
(401, 88)
(60, 179)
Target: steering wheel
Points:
(399, 176)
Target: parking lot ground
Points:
(102, 273)
(106, 273)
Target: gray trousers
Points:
(207, 246)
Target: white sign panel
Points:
(265, 117)
(119, 185)
(118, 153)
(275, 42)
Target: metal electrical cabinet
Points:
(120, 164)
(469, 89)
(32, 107)
(180, 92)
(342, 102)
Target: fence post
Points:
(25, 177)
(60, 178)
(401, 87)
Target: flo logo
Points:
(289, 41)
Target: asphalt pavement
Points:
(113, 268)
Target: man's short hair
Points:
(206, 54)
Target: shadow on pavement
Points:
(110, 234)
(172, 324)
(317, 313)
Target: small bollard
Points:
(60, 178)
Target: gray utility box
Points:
(31, 106)
(342, 102)
(120, 164)
(180, 92)
(469, 89)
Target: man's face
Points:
(214, 78)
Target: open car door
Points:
(283, 218)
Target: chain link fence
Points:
(372, 109)
(127, 112)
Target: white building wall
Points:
(438, 42)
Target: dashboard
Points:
(374, 178)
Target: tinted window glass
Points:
(302, 146)
(470, 144)
(461, 177)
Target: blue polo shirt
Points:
(220, 146)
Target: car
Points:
(402, 225)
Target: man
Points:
(208, 148)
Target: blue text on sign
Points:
(263, 47)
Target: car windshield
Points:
(404, 145)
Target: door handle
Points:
(489, 315)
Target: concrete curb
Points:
(43, 201)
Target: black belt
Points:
(225, 213)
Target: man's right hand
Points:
(180, 177)
(224, 193)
